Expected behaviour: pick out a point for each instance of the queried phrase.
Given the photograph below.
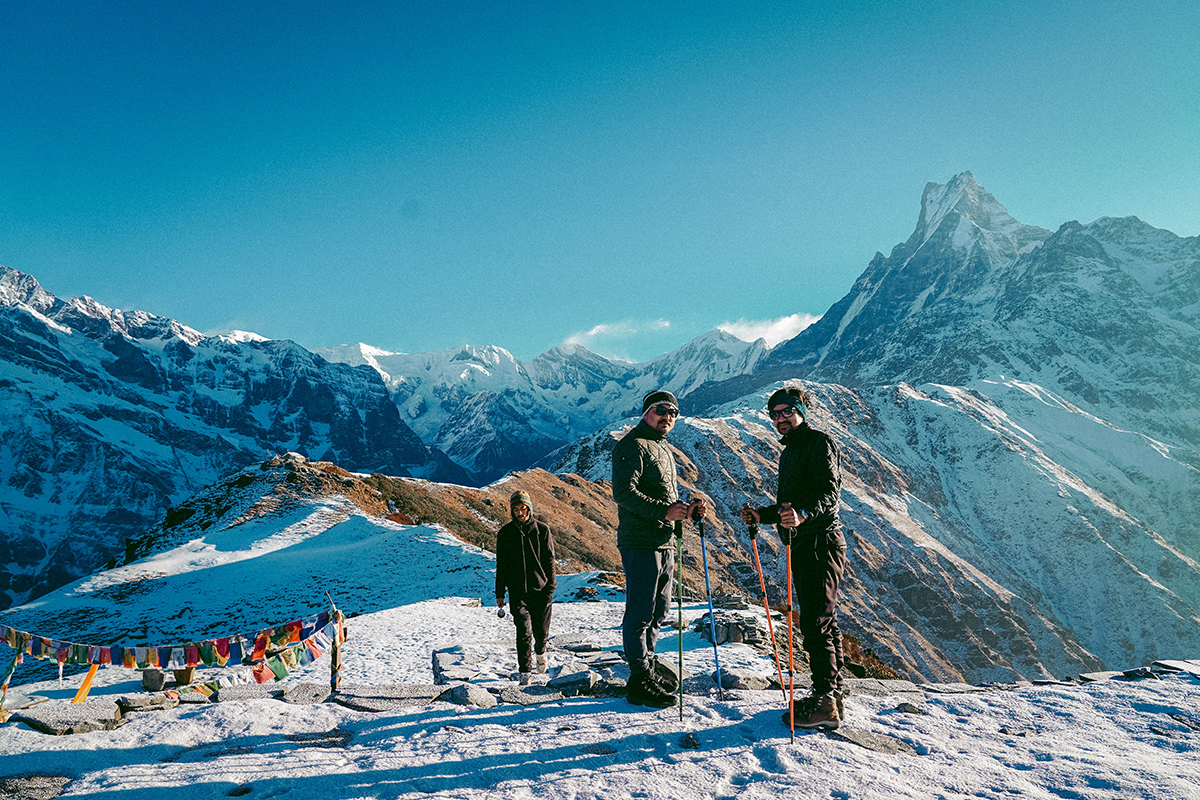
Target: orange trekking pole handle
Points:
(766, 605)
(791, 661)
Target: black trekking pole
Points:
(679, 605)
(766, 605)
(712, 619)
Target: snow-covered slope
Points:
(109, 417)
(261, 547)
(995, 531)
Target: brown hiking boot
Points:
(815, 713)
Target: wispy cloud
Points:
(614, 339)
(773, 330)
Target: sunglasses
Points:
(781, 413)
(666, 411)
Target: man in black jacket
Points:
(648, 505)
(525, 570)
(806, 509)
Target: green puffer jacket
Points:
(644, 486)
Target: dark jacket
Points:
(810, 478)
(644, 486)
(524, 559)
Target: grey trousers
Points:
(647, 600)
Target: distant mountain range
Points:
(1017, 410)
(109, 418)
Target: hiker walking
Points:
(806, 509)
(648, 505)
(525, 571)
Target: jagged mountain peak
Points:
(17, 288)
(963, 215)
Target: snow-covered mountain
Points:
(985, 542)
(1105, 314)
(109, 417)
(492, 413)
(1050, 446)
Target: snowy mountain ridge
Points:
(110, 417)
(492, 413)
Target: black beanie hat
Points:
(656, 397)
(783, 396)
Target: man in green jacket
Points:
(648, 505)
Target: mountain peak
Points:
(17, 288)
(963, 214)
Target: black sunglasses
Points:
(781, 413)
(666, 411)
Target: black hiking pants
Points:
(818, 564)
(531, 614)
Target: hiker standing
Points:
(648, 505)
(806, 508)
(525, 571)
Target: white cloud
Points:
(613, 338)
(773, 330)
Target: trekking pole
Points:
(712, 619)
(766, 606)
(791, 662)
(679, 605)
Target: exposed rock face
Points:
(111, 417)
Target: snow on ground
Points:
(1109, 739)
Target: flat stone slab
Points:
(149, 701)
(307, 694)
(1091, 677)
(951, 688)
(880, 688)
(1190, 666)
(879, 742)
(247, 691)
(380, 705)
(58, 719)
(741, 679)
(397, 691)
(464, 694)
(530, 695)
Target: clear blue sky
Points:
(423, 175)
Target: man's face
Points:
(785, 418)
(521, 512)
(661, 417)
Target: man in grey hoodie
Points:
(648, 505)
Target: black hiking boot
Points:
(665, 677)
(644, 691)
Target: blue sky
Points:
(419, 176)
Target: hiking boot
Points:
(816, 713)
(666, 679)
(524, 679)
(541, 662)
(644, 691)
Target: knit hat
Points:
(656, 397)
(782, 397)
(520, 497)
